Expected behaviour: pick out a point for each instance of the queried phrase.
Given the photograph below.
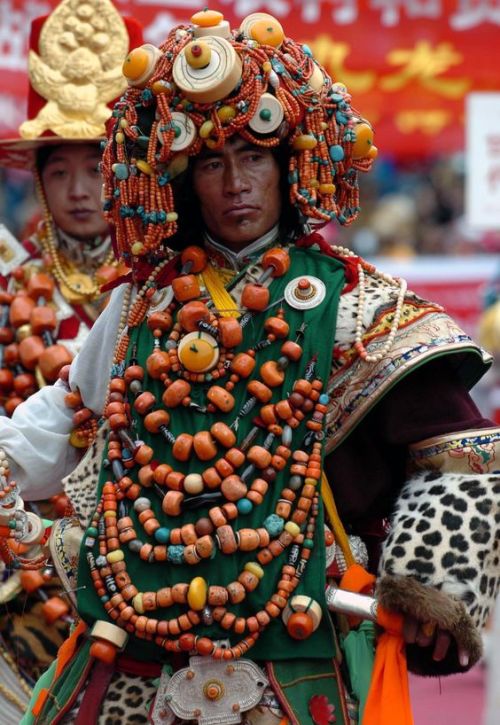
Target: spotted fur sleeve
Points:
(441, 559)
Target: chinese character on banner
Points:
(391, 9)
(241, 8)
(425, 64)
(346, 12)
(474, 12)
(430, 123)
(333, 56)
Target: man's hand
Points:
(426, 634)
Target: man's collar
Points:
(236, 260)
(82, 252)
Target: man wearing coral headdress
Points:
(262, 393)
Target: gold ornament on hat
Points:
(78, 69)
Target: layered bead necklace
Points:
(200, 348)
(76, 287)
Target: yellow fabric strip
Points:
(338, 529)
(215, 282)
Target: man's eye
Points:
(254, 157)
(58, 173)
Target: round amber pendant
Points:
(198, 352)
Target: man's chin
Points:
(83, 233)
(242, 236)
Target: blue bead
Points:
(244, 506)
(162, 535)
(175, 554)
(307, 50)
(274, 524)
(341, 118)
(336, 152)
(324, 399)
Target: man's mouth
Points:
(81, 215)
(239, 210)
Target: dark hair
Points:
(43, 153)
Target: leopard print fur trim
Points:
(80, 486)
(445, 534)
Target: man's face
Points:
(238, 190)
(72, 185)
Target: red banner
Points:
(409, 64)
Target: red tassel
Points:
(350, 263)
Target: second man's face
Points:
(238, 188)
(72, 185)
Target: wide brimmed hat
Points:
(75, 71)
(206, 83)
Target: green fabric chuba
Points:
(274, 643)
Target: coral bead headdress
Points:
(207, 83)
(75, 71)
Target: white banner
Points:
(483, 161)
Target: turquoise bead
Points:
(162, 535)
(274, 524)
(92, 531)
(244, 506)
(175, 554)
(120, 171)
(308, 544)
(265, 114)
(336, 153)
(324, 399)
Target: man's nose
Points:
(77, 189)
(235, 179)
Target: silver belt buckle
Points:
(215, 692)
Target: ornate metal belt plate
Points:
(215, 692)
